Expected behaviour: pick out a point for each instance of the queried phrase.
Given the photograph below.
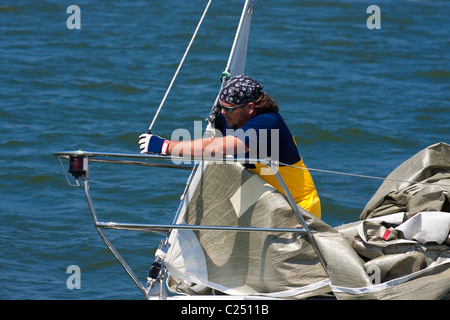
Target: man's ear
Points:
(251, 109)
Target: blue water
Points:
(357, 101)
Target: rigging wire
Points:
(366, 176)
(179, 66)
(412, 182)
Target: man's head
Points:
(242, 98)
(236, 99)
(240, 89)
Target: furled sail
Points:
(273, 264)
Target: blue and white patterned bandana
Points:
(240, 89)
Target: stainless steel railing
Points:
(80, 162)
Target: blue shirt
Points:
(267, 137)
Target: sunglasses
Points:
(231, 109)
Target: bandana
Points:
(240, 89)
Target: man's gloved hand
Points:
(150, 143)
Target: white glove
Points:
(150, 143)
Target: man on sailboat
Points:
(254, 126)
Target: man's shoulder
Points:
(268, 119)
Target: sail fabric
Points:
(400, 267)
(396, 255)
(242, 263)
(238, 54)
(403, 232)
(430, 169)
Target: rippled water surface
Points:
(357, 101)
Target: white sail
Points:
(240, 263)
(238, 54)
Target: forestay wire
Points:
(179, 66)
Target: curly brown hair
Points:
(264, 103)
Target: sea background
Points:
(357, 100)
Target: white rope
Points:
(179, 66)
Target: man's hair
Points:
(264, 103)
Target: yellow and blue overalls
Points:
(261, 132)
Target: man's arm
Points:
(208, 147)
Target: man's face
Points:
(238, 117)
